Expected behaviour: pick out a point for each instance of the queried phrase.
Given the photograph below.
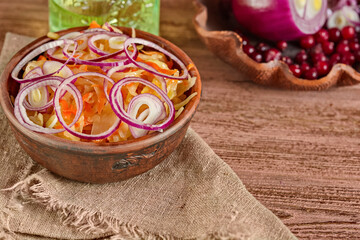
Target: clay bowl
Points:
(92, 162)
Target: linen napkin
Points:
(192, 194)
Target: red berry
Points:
(307, 42)
(334, 34)
(311, 74)
(342, 48)
(322, 68)
(357, 29)
(248, 49)
(257, 57)
(328, 47)
(286, 60)
(281, 45)
(334, 59)
(245, 41)
(357, 55)
(304, 67)
(348, 32)
(348, 59)
(301, 57)
(317, 57)
(316, 49)
(345, 41)
(272, 54)
(262, 47)
(354, 46)
(321, 36)
(295, 69)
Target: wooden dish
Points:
(92, 162)
(218, 30)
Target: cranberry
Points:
(357, 29)
(307, 42)
(245, 41)
(257, 57)
(272, 54)
(334, 59)
(357, 55)
(348, 59)
(316, 49)
(355, 40)
(281, 45)
(354, 46)
(311, 74)
(317, 57)
(248, 49)
(286, 60)
(304, 67)
(348, 32)
(301, 57)
(342, 48)
(322, 68)
(321, 36)
(328, 47)
(262, 47)
(295, 69)
(345, 41)
(334, 34)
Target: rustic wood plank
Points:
(296, 152)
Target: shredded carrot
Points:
(86, 97)
(94, 24)
(170, 64)
(41, 57)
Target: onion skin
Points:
(276, 20)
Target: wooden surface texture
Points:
(298, 153)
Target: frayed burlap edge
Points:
(95, 222)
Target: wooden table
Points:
(298, 153)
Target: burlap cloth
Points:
(192, 194)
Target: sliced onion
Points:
(59, 69)
(79, 104)
(71, 35)
(117, 42)
(117, 104)
(113, 39)
(153, 114)
(35, 72)
(20, 111)
(280, 19)
(343, 17)
(37, 51)
(36, 104)
(95, 61)
(146, 67)
(67, 86)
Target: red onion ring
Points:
(155, 112)
(66, 86)
(29, 105)
(20, 111)
(131, 41)
(116, 101)
(34, 53)
(106, 36)
(79, 104)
